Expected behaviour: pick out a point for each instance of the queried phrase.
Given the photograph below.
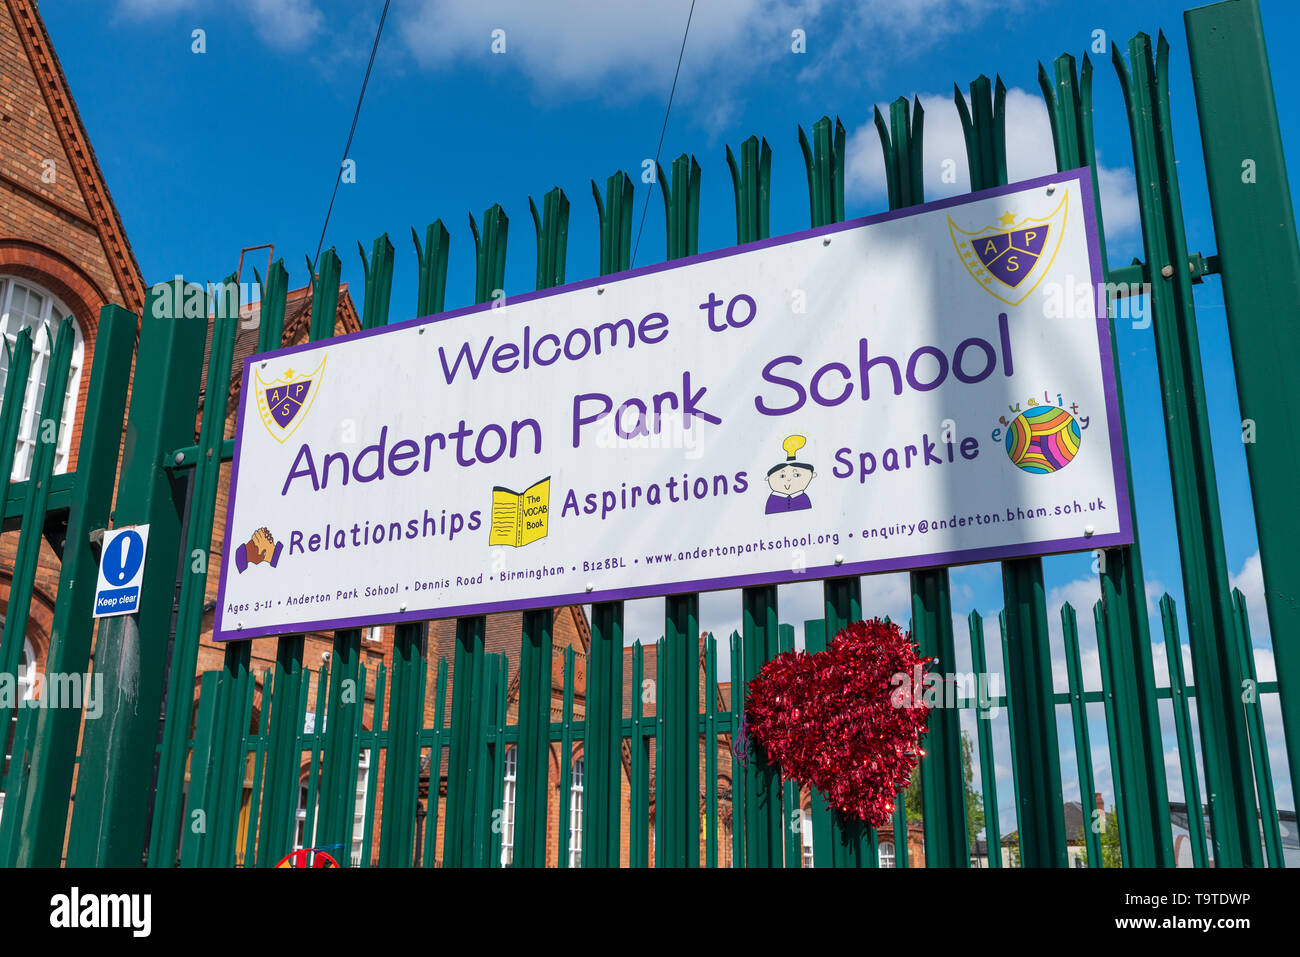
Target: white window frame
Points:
(300, 819)
(886, 855)
(510, 780)
(575, 814)
(43, 322)
(359, 809)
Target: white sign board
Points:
(926, 387)
(121, 571)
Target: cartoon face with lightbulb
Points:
(789, 480)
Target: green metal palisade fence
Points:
(258, 764)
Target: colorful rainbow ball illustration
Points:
(1043, 439)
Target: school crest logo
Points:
(283, 403)
(1011, 257)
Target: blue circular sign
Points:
(123, 557)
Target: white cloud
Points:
(287, 24)
(619, 49)
(1251, 582)
(142, 9)
(624, 47)
(945, 172)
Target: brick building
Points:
(63, 252)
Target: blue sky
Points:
(209, 152)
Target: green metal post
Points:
(280, 786)
(468, 756)
(1082, 743)
(432, 264)
(435, 765)
(1258, 741)
(338, 787)
(1211, 625)
(35, 502)
(603, 750)
(206, 735)
(942, 787)
(792, 823)
(228, 764)
(823, 158)
(402, 767)
(468, 744)
(751, 180)
(179, 704)
(1113, 739)
(117, 765)
(23, 581)
(1141, 764)
(337, 713)
(710, 752)
(984, 734)
(639, 810)
(1183, 729)
(679, 703)
(534, 748)
(1259, 263)
(1029, 675)
(681, 683)
(739, 817)
(44, 806)
(566, 761)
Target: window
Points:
(508, 807)
(26, 674)
(807, 836)
(885, 854)
(25, 305)
(359, 808)
(374, 633)
(575, 815)
(300, 821)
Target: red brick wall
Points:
(47, 236)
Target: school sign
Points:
(926, 387)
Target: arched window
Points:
(575, 815)
(886, 854)
(508, 806)
(24, 304)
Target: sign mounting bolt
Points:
(1087, 531)
(402, 607)
(839, 559)
(1051, 188)
(1166, 271)
(826, 241)
(590, 587)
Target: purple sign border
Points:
(1081, 177)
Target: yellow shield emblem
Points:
(1009, 259)
(283, 402)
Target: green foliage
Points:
(1110, 851)
(974, 800)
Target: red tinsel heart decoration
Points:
(847, 720)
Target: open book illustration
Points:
(519, 518)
